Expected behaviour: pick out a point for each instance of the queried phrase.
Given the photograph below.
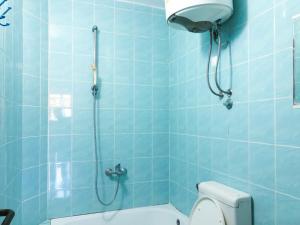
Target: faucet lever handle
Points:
(120, 170)
(118, 167)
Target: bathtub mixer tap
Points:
(118, 171)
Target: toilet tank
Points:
(236, 205)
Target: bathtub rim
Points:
(166, 207)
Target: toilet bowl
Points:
(219, 204)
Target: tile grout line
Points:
(134, 120)
(40, 103)
(114, 86)
(248, 108)
(72, 107)
(152, 115)
(48, 122)
(275, 113)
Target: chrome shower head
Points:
(228, 103)
(95, 28)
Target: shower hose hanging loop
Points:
(3, 15)
(215, 35)
(218, 35)
(220, 94)
(119, 171)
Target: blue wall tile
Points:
(60, 148)
(143, 169)
(287, 166)
(262, 158)
(124, 71)
(287, 209)
(124, 146)
(83, 14)
(143, 145)
(62, 17)
(261, 78)
(140, 199)
(263, 199)
(31, 149)
(238, 155)
(106, 46)
(59, 204)
(104, 17)
(60, 65)
(121, 16)
(284, 73)
(29, 214)
(261, 121)
(287, 122)
(143, 73)
(261, 45)
(30, 183)
(59, 39)
(82, 177)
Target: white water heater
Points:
(197, 15)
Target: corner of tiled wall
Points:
(34, 111)
(10, 113)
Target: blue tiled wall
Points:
(10, 113)
(255, 146)
(34, 111)
(132, 110)
(153, 92)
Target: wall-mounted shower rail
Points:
(3, 15)
(94, 65)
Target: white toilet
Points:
(221, 205)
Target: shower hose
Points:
(220, 94)
(97, 159)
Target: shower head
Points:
(95, 28)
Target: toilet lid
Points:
(206, 211)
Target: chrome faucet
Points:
(118, 171)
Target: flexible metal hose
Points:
(229, 93)
(94, 93)
(208, 65)
(96, 162)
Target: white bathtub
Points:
(153, 215)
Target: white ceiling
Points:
(152, 3)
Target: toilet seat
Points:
(206, 211)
